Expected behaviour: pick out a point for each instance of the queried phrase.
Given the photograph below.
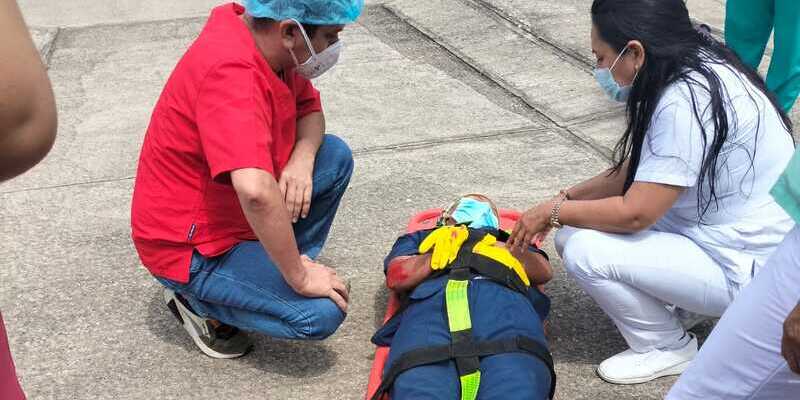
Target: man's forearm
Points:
(263, 207)
(310, 130)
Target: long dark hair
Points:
(675, 51)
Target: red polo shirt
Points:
(222, 109)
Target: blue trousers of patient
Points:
(496, 313)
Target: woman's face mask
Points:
(610, 86)
(318, 63)
(478, 214)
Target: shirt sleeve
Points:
(673, 148)
(406, 245)
(233, 120)
(306, 96)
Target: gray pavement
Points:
(506, 89)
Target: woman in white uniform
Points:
(684, 219)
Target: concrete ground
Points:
(436, 98)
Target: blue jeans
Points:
(244, 288)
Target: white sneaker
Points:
(630, 367)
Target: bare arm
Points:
(641, 207)
(537, 267)
(310, 130)
(405, 273)
(263, 207)
(27, 107)
(607, 184)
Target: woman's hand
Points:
(790, 345)
(532, 226)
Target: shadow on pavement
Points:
(380, 304)
(296, 359)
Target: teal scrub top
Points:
(787, 191)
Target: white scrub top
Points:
(745, 225)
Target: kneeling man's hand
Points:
(297, 185)
(790, 346)
(322, 281)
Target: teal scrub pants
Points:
(748, 26)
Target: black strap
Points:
(485, 266)
(499, 273)
(431, 355)
(467, 364)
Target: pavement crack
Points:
(508, 89)
(525, 30)
(451, 139)
(66, 185)
(128, 24)
(52, 47)
(365, 151)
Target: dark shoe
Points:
(224, 341)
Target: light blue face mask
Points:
(610, 86)
(478, 214)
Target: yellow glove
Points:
(445, 242)
(487, 248)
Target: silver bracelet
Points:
(555, 214)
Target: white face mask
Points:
(318, 63)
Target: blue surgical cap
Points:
(312, 12)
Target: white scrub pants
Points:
(742, 357)
(634, 277)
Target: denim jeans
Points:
(244, 288)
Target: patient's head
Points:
(475, 210)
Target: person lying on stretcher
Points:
(471, 327)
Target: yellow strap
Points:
(487, 248)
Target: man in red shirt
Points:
(238, 185)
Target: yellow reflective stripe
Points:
(457, 305)
(470, 385)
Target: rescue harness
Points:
(477, 256)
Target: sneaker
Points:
(224, 341)
(689, 319)
(630, 367)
